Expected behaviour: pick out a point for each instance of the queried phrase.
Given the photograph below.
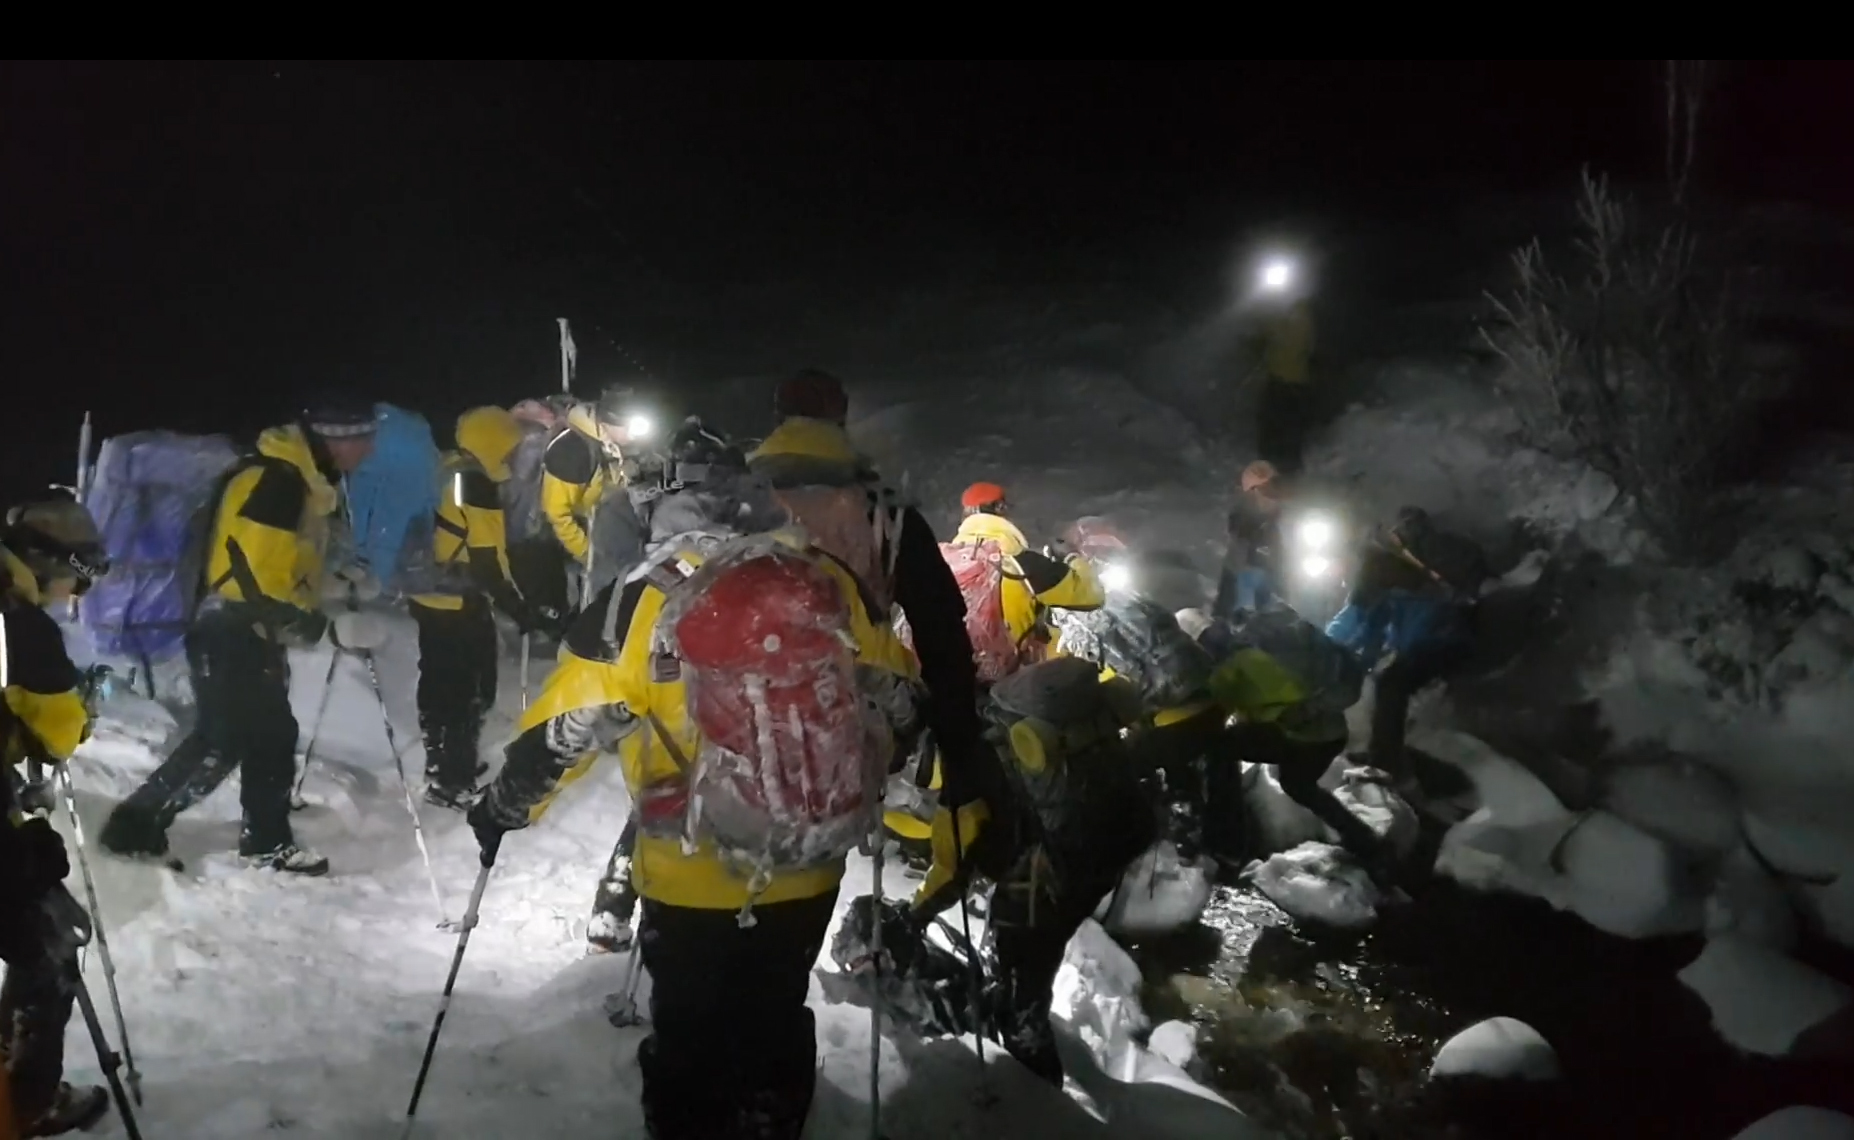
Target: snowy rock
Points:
(1176, 1042)
(1159, 893)
(1685, 803)
(1748, 902)
(1366, 795)
(1503, 787)
(1787, 568)
(1819, 651)
(1318, 882)
(1801, 1122)
(1608, 872)
(1761, 1001)
(1500, 1048)
(1279, 824)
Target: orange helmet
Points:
(1259, 474)
(982, 497)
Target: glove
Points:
(360, 632)
(488, 829)
(351, 583)
(545, 622)
(42, 861)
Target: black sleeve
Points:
(1041, 572)
(569, 459)
(36, 660)
(479, 491)
(586, 636)
(486, 572)
(278, 499)
(927, 593)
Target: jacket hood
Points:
(801, 436)
(997, 528)
(290, 445)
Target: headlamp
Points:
(1277, 274)
(1315, 566)
(1116, 576)
(1315, 533)
(639, 426)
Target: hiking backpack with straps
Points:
(856, 520)
(150, 491)
(1333, 677)
(979, 569)
(792, 749)
(1140, 641)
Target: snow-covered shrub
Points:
(1633, 361)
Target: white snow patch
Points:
(1500, 1047)
(1748, 902)
(1158, 894)
(1683, 802)
(1801, 1122)
(1761, 1001)
(1175, 1041)
(1318, 882)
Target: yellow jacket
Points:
(574, 473)
(469, 538)
(270, 533)
(1033, 583)
(660, 869)
(42, 685)
(1257, 688)
(1287, 344)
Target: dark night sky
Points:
(192, 244)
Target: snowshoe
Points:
(608, 934)
(288, 858)
(76, 1108)
(456, 799)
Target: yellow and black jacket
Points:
(575, 470)
(596, 673)
(470, 541)
(46, 718)
(1287, 344)
(269, 539)
(1034, 583)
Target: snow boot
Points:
(74, 1109)
(456, 799)
(288, 858)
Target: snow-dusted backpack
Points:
(420, 571)
(793, 746)
(979, 569)
(521, 492)
(847, 511)
(1332, 677)
(1141, 642)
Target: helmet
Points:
(987, 497)
(58, 540)
(490, 434)
(1259, 474)
(1094, 537)
(696, 454)
(813, 394)
(337, 415)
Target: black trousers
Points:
(1300, 764)
(538, 566)
(1035, 909)
(1201, 802)
(732, 1052)
(1283, 414)
(241, 681)
(35, 1004)
(1397, 684)
(457, 660)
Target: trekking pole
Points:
(405, 785)
(96, 917)
(985, 1095)
(875, 1007)
(621, 1007)
(297, 803)
(526, 640)
(464, 928)
(73, 925)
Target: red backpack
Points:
(978, 567)
(793, 753)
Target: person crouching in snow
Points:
(753, 700)
(458, 649)
(1415, 601)
(1288, 685)
(1056, 845)
(51, 552)
(262, 592)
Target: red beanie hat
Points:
(813, 394)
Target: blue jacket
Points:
(1398, 622)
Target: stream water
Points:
(1330, 1036)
